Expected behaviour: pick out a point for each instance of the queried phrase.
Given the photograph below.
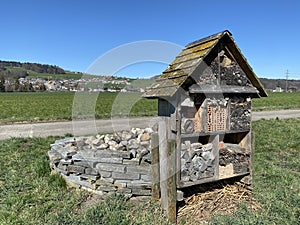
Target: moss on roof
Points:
(188, 60)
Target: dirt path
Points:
(106, 125)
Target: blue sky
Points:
(73, 34)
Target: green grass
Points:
(278, 101)
(49, 106)
(67, 75)
(30, 195)
(276, 175)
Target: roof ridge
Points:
(206, 39)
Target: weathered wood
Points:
(162, 134)
(171, 181)
(178, 141)
(248, 143)
(215, 150)
(155, 166)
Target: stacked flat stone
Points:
(197, 161)
(118, 162)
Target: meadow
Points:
(53, 106)
(30, 195)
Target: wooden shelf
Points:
(184, 184)
(198, 134)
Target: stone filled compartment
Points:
(198, 160)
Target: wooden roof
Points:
(190, 58)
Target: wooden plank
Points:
(215, 151)
(155, 166)
(248, 143)
(178, 141)
(171, 182)
(162, 135)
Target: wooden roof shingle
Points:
(190, 58)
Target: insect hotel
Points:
(204, 108)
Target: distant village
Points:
(93, 84)
(15, 77)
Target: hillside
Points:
(36, 67)
(272, 84)
(12, 70)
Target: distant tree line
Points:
(36, 67)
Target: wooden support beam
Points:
(171, 182)
(155, 166)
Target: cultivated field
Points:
(30, 195)
(51, 106)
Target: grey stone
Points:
(66, 161)
(93, 186)
(120, 147)
(126, 176)
(119, 168)
(120, 184)
(138, 169)
(62, 167)
(85, 163)
(207, 147)
(139, 184)
(148, 130)
(88, 177)
(207, 155)
(145, 137)
(131, 162)
(138, 191)
(124, 142)
(111, 143)
(75, 169)
(77, 157)
(203, 167)
(126, 136)
(107, 179)
(54, 156)
(87, 153)
(196, 145)
(91, 171)
(146, 177)
(110, 160)
(96, 142)
(133, 146)
(107, 189)
(183, 147)
(125, 190)
(113, 154)
(107, 138)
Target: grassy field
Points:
(30, 195)
(49, 106)
(278, 100)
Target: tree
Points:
(2, 83)
(17, 85)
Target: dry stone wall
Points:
(118, 162)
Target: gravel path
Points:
(106, 125)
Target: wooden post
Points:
(171, 182)
(155, 166)
(215, 152)
(162, 135)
